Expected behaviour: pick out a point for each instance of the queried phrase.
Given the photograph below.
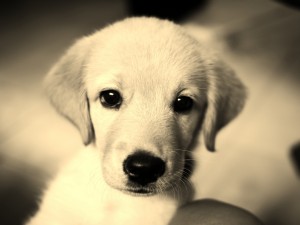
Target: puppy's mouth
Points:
(148, 190)
(140, 191)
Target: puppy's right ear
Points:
(65, 87)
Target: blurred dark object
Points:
(292, 3)
(274, 36)
(295, 154)
(175, 10)
(20, 188)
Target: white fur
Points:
(79, 195)
(150, 62)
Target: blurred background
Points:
(257, 163)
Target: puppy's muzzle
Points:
(142, 168)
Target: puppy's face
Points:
(139, 94)
(145, 103)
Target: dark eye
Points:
(110, 99)
(183, 104)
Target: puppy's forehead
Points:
(146, 52)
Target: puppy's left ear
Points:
(225, 99)
(65, 87)
(226, 94)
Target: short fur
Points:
(151, 62)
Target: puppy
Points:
(139, 91)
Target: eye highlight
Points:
(183, 104)
(110, 99)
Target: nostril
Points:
(143, 168)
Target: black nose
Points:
(143, 168)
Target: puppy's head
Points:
(139, 91)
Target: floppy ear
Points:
(65, 87)
(225, 99)
(226, 93)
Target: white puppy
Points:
(139, 91)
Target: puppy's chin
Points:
(140, 191)
(151, 189)
(136, 191)
(146, 191)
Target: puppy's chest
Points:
(134, 212)
(116, 211)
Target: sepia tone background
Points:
(253, 166)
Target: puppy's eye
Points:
(183, 104)
(110, 99)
